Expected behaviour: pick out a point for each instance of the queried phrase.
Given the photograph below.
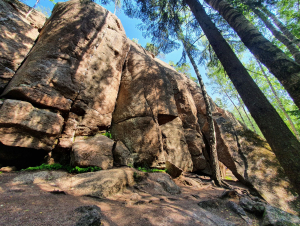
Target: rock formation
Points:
(83, 77)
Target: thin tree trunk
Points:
(282, 141)
(28, 13)
(281, 26)
(279, 102)
(212, 134)
(282, 38)
(284, 69)
(224, 91)
(242, 105)
(115, 7)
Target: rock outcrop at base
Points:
(83, 77)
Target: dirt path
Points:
(32, 203)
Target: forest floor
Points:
(36, 204)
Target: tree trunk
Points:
(281, 26)
(223, 90)
(277, 34)
(242, 105)
(28, 13)
(214, 162)
(279, 101)
(115, 7)
(284, 69)
(282, 141)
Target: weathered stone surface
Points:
(17, 37)
(196, 147)
(239, 210)
(39, 177)
(166, 182)
(274, 216)
(79, 56)
(199, 100)
(187, 112)
(141, 136)
(8, 169)
(159, 115)
(251, 160)
(141, 96)
(122, 156)
(25, 126)
(36, 19)
(258, 208)
(175, 145)
(67, 137)
(95, 151)
(99, 184)
(173, 170)
(87, 216)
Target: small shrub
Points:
(68, 168)
(107, 134)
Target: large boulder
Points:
(95, 151)
(18, 35)
(23, 125)
(98, 184)
(141, 136)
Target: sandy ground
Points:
(34, 204)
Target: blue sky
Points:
(130, 26)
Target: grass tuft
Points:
(68, 168)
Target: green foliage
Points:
(152, 48)
(44, 10)
(228, 178)
(68, 168)
(184, 68)
(135, 40)
(82, 170)
(150, 170)
(44, 166)
(107, 134)
(53, 2)
(130, 165)
(295, 113)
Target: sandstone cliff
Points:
(82, 77)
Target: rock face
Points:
(83, 77)
(17, 36)
(95, 151)
(26, 126)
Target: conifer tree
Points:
(162, 20)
